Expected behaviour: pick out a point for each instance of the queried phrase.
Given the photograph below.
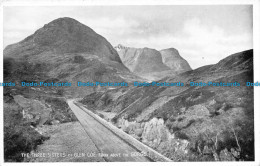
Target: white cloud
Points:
(212, 43)
(108, 26)
(200, 44)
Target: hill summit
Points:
(173, 60)
(65, 50)
(64, 35)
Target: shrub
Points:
(101, 115)
(79, 59)
(19, 137)
(181, 135)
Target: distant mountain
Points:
(141, 60)
(173, 60)
(152, 64)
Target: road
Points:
(69, 139)
(110, 146)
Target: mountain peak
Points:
(64, 35)
(64, 19)
(172, 59)
(67, 25)
(120, 47)
(172, 51)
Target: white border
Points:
(256, 30)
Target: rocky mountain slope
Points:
(63, 35)
(65, 50)
(187, 123)
(173, 60)
(152, 64)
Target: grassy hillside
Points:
(190, 123)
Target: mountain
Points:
(63, 35)
(141, 60)
(184, 123)
(62, 51)
(152, 64)
(188, 123)
(173, 60)
(65, 50)
(238, 61)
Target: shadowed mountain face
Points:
(65, 50)
(63, 35)
(203, 123)
(152, 64)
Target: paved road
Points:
(109, 144)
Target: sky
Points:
(203, 35)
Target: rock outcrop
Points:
(155, 134)
(173, 60)
(141, 60)
(152, 64)
(33, 110)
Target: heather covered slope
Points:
(190, 123)
(65, 50)
(63, 35)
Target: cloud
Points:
(111, 26)
(199, 43)
(211, 42)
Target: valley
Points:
(175, 123)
